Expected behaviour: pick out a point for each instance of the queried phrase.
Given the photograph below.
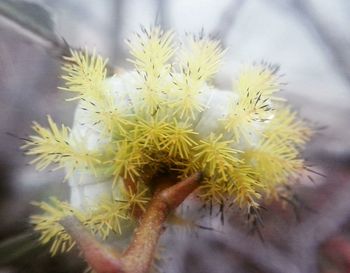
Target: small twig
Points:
(227, 20)
(162, 16)
(45, 37)
(34, 32)
(117, 51)
(139, 255)
(335, 47)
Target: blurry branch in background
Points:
(301, 241)
(116, 45)
(118, 12)
(13, 248)
(162, 14)
(34, 22)
(242, 245)
(227, 20)
(336, 47)
(331, 216)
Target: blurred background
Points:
(309, 39)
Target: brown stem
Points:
(139, 255)
(98, 256)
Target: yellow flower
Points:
(165, 114)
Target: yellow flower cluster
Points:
(103, 218)
(166, 116)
